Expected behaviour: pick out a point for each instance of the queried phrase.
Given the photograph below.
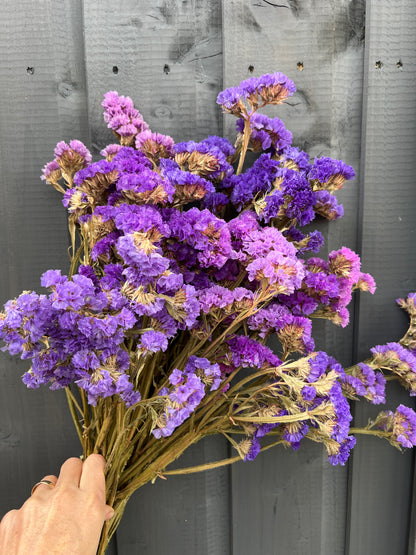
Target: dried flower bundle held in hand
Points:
(183, 265)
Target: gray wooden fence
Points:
(354, 64)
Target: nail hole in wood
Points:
(115, 69)
(166, 69)
(251, 68)
(379, 64)
(299, 66)
(30, 70)
(399, 64)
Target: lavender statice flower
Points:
(330, 174)
(272, 88)
(399, 360)
(155, 145)
(247, 352)
(189, 388)
(72, 157)
(266, 133)
(363, 381)
(295, 159)
(52, 172)
(258, 179)
(122, 117)
(204, 159)
(326, 205)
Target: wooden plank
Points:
(381, 478)
(168, 57)
(299, 500)
(43, 101)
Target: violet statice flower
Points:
(273, 88)
(343, 454)
(51, 172)
(247, 352)
(204, 159)
(365, 382)
(326, 205)
(110, 151)
(300, 199)
(146, 186)
(206, 233)
(188, 186)
(72, 157)
(404, 426)
(189, 388)
(330, 174)
(266, 133)
(221, 143)
(153, 341)
(257, 179)
(399, 360)
(122, 117)
(295, 159)
(154, 145)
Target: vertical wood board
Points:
(381, 477)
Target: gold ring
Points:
(47, 482)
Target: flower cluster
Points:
(189, 265)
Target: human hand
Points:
(65, 518)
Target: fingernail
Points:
(109, 513)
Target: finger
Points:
(109, 512)
(92, 477)
(70, 473)
(43, 488)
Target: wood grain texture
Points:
(42, 84)
(299, 500)
(168, 56)
(381, 478)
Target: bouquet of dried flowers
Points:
(184, 262)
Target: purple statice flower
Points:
(274, 259)
(308, 392)
(294, 433)
(131, 217)
(51, 172)
(365, 382)
(189, 186)
(266, 133)
(399, 360)
(110, 151)
(230, 99)
(204, 158)
(300, 199)
(326, 205)
(153, 341)
(206, 233)
(100, 168)
(257, 179)
(75, 153)
(404, 426)
(121, 115)
(327, 173)
(247, 352)
(295, 159)
(344, 451)
(186, 394)
(320, 363)
(146, 264)
(345, 263)
(221, 143)
(154, 145)
(366, 283)
(342, 413)
(215, 201)
(102, 248)
(272, 205)
(145, 186)
(322, 286)
(273, 88)
(299, 302)
(130, 160)
(214, 297)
